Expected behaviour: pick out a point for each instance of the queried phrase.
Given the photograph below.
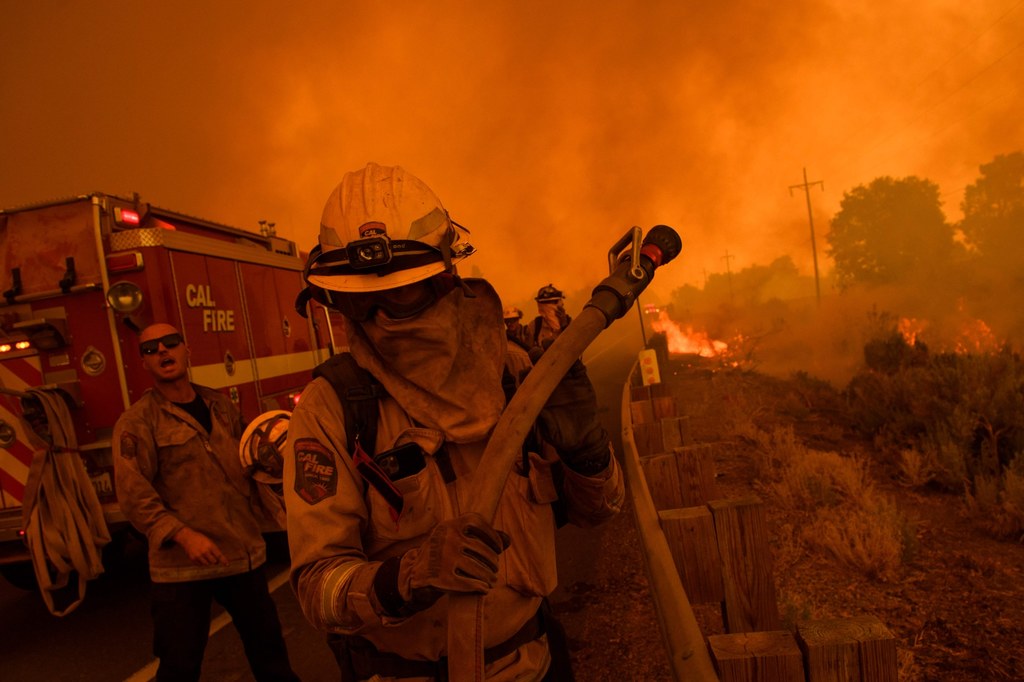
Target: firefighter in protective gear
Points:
(551, 316)
(378, 531)
(515, 330)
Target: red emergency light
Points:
(126, 216)
(127, 261)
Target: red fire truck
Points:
(83, 275)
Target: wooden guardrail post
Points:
(750, 603)
(656, 428)
(859, 649)
(771, 656)
(684, 477)
(690, 534)
(675, 432)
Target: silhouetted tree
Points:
(993, 207)
(890, 231)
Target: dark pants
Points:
(181, 623)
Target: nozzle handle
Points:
(617, 292)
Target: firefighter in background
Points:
(379, 538)
(515, 330)
(551, 317)
(181, 484)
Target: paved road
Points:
(108, 637)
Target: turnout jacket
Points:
(171, 473)
(341, 528)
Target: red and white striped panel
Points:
(17, 374)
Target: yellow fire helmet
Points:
(383, 228)
(512, 313)
(262, 445)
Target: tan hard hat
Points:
(383, 228)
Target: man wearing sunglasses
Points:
(378, 530)
(181, 484)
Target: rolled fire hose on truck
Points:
(631, 270)
(62, 516)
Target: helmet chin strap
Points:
(447, 281)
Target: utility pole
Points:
(806, 187)
(728, 272)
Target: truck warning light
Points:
(126, 216)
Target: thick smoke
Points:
(548, 129)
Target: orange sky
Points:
(548, 132)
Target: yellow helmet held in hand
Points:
(262, 445)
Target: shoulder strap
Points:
(359, 393)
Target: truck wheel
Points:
(21, 575)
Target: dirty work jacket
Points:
(341, 530)
(170, 474)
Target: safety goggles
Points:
(398, 304)
(153, 345)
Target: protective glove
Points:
(459, 555)
(569, 421)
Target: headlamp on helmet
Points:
(369, 253)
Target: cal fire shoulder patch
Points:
(129, 445)
(316, 476)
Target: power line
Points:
(952, 58)
(948, 95)
(806, 187)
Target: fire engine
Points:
(84, 275)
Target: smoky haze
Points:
(548, 129)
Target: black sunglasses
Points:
(153, 345)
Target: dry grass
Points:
(869, 536)
(997, 504)
(849, 518)
(915, 469)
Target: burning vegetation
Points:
(686, 341)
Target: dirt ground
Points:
(956, 608)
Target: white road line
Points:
(148, 672)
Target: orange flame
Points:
(972, 336)
(976, 337)
(910, 328)
(688, 341)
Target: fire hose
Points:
(63, 519)
(631, 270)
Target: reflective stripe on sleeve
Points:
(334, 584)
